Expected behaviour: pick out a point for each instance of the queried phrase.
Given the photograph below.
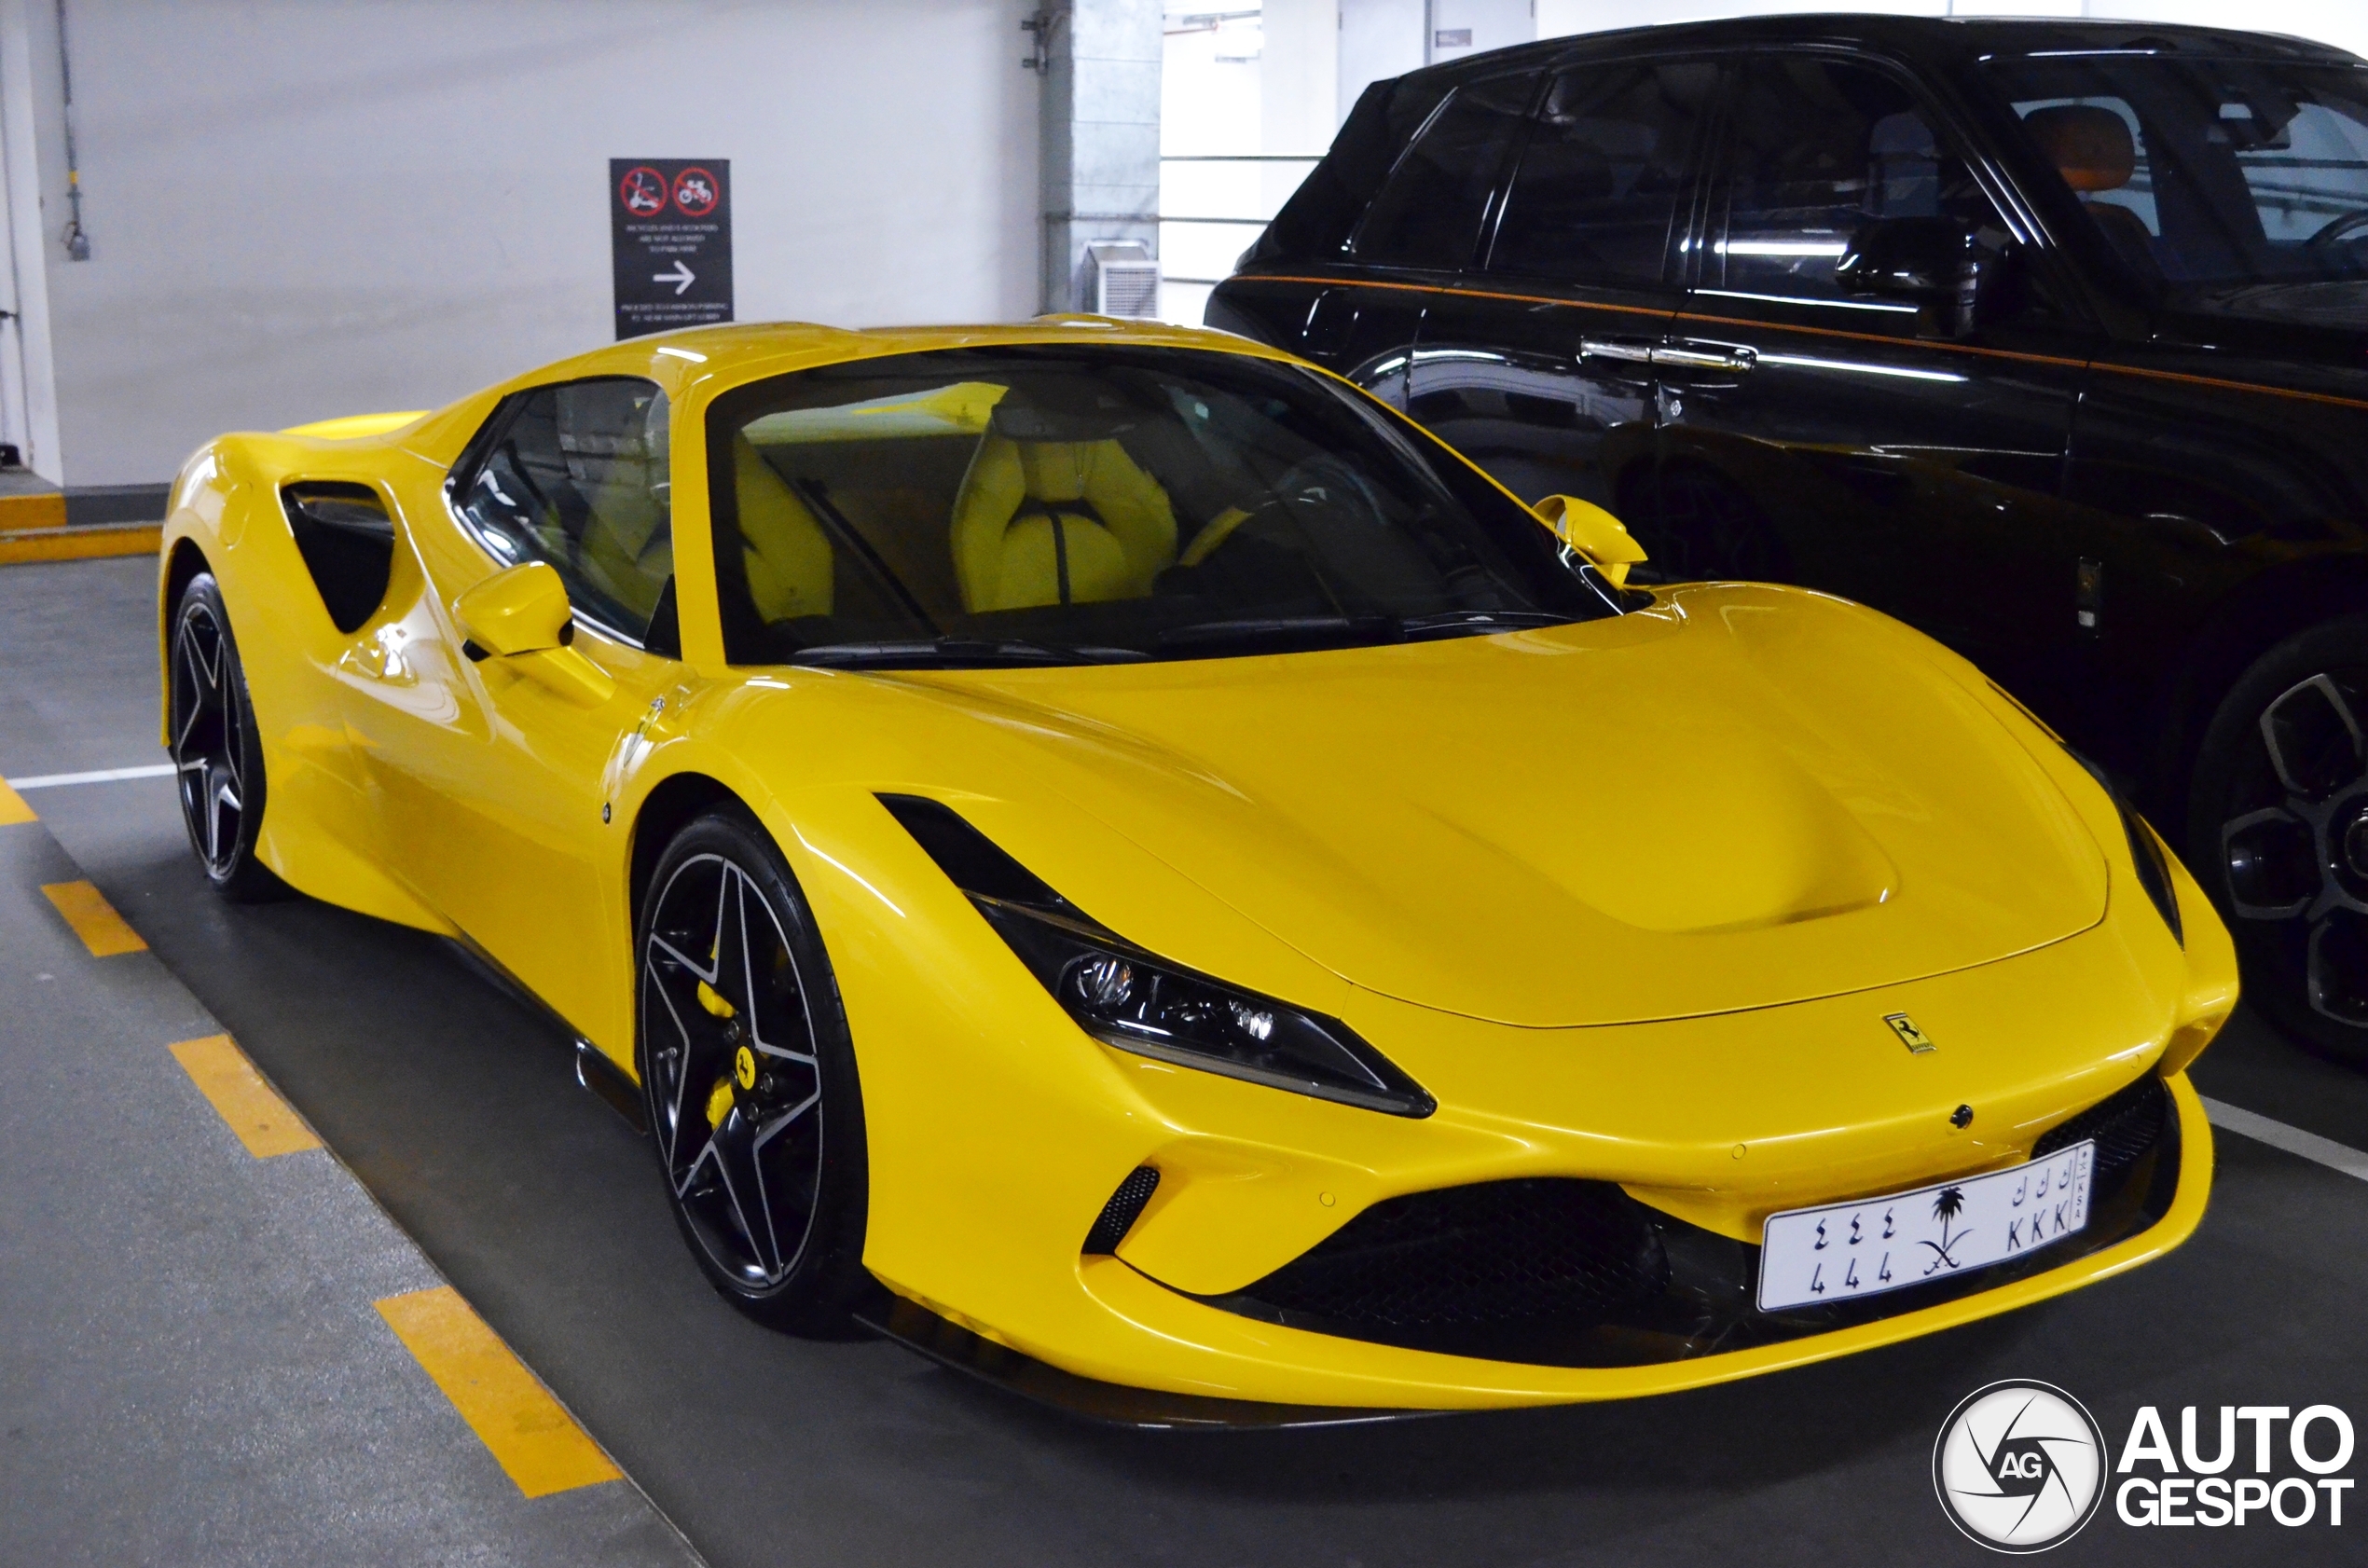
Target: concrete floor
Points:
(453, 1106)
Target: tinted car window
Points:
(1820, 147)
(2226, 175)
(1430, 212)
(1598, 191)
(578, 476)
(1032, 506)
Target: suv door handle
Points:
(1692, 355)
(1633, 350)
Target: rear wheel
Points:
(216, 755)
(2278, 830)
(750, 1080)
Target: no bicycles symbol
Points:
(671, 242)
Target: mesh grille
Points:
(1497, 1253)
(2125, 1124)
(1125, 1206)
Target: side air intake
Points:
(1123, 1209)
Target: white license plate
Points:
(1813, 1256)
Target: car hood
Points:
(1742, 797)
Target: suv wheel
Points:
(2277, 831)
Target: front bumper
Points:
(1204, 1352)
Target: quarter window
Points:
(1601, 182)
(1430, 212)
(578, 476)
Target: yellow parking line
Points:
(12, 806)
(93, 919)
(530, 1434)
(264, 1122)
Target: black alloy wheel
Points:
(216, 755)
(750, 1080)
(2279, 827)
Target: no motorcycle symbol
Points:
(694, 193)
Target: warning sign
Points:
(671, 242)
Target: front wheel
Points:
(2277, 830)
(218, 757)
(750, 1079)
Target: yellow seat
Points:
(784, 553)
(1058, 522)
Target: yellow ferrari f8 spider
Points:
(1125, 863)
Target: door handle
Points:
(1691, 355)
(1630, 349)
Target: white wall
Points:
(305, 208)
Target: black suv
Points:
(2050, 338)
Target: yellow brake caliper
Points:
(719, 1099)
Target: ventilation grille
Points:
(2125, 1125)
(1496, 1254)
(1126, 281)
(1125, 1206)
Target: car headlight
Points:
(1140, 1002)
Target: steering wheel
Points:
(2343, 229)
(1325, 481)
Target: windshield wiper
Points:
(955, 653)
(1280, 633)
(1479, 623)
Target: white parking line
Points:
(2293, 1140)
(105, 776)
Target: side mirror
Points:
(1930, 263)
(521, 616)
(1593, 533)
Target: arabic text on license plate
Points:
(1843, 1250)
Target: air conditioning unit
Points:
(1126, 281)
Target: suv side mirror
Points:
(1593, 533)
(1931, 263)
(521, 616)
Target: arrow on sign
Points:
(681, 277)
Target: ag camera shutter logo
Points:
(2020, 1466)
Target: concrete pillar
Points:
(1101, 136)
(31, 169)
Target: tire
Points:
(749, 1078)
(215, 749)
(2278, 833)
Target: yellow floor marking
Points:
(535, 1440)
(43, 509)
(83, 542)
(93, 919)
(12, 806)
(264, 1122)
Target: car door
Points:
(1418, 234)
(489, 784)
(1538, 365)
(1820, 430)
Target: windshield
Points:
(2209, 175)
(1058, 505)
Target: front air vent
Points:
(1432, 1269)
(347, 541)
(1123, 1209)
(2125, 1125)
